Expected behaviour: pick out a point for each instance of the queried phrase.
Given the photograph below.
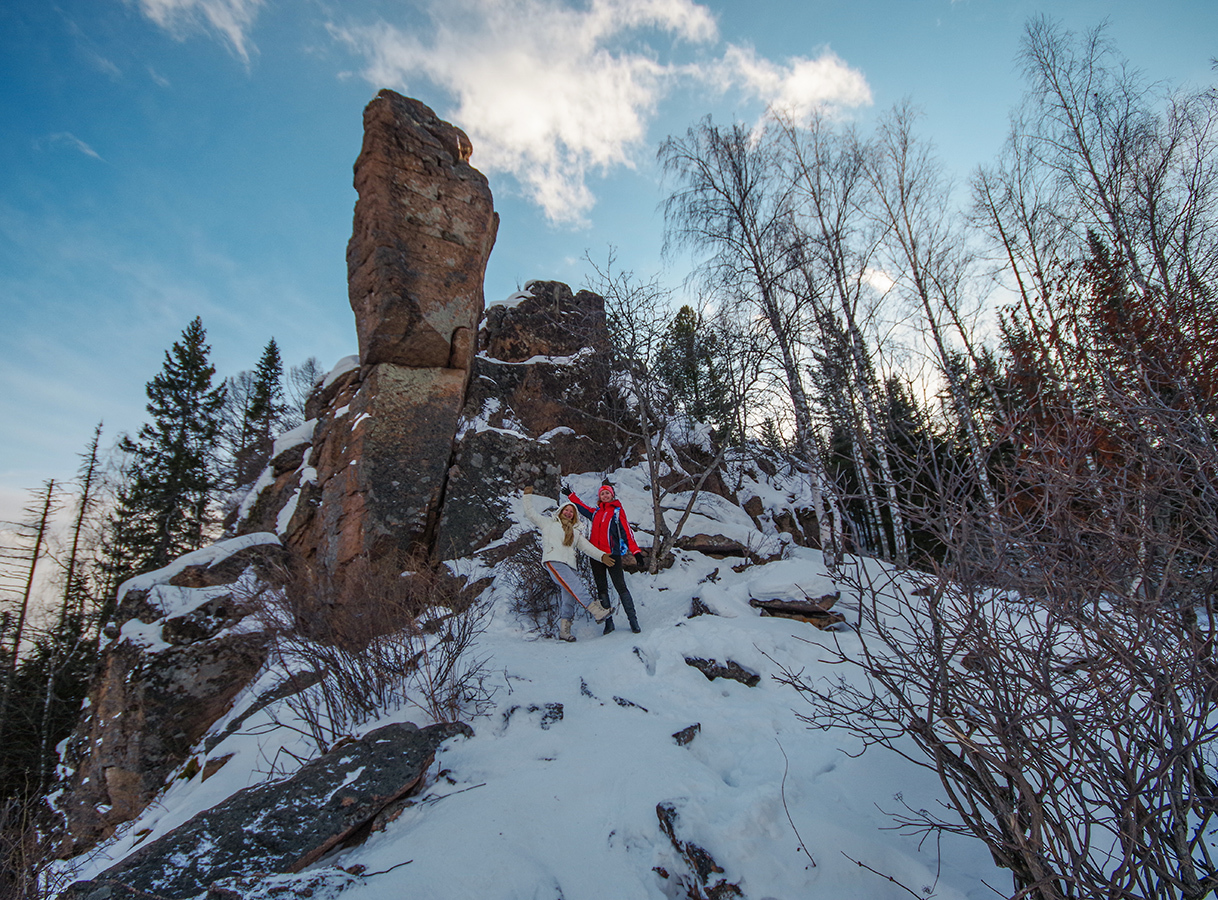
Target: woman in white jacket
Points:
(560, 538)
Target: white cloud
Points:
(879, 280)
(552, 93)
(797, 88)
(546, 92)
(231, 19)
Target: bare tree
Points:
(301, 381)
(638, 315)
(833, 200)
(733, 200)
(1136, 165)
(928, 255)
(25, 559)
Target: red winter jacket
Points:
(610, 531)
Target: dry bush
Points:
(28, 870)
(534, 595)
(381, 640)
(1056, 671)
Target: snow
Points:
(555, 432)
(514, 299)
(341, 368)
(535, 360)
(285, 514)
(533, 808)
(265, 479)
(301, 434)
(207, 556)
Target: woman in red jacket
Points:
(610, 534)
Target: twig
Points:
(386, 871)
(439, 797)
(863, 865)
(782, 790)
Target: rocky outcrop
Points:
(178, 657)
(281, 826)
(537, 407)
(377, 467)
(424, 228)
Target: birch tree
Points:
(732, 199)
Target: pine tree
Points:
(164, 509)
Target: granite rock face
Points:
(424, 227)
(375, 474)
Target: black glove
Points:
(566, 489)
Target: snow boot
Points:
(564, 630)
(628, 605)
(599, 612)
(609, 626)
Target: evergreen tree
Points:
(686, 363)
(254, 411)
(266, 405)
(163, 510)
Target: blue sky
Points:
(162, 159)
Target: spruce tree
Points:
(266, 405)
(687, 365)
(254, 411)
(164, 509)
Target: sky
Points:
(166, 159)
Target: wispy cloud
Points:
(67, 139)
(231, 20)
(552, 92)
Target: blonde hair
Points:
(568, 525)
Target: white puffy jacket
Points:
(552, 547)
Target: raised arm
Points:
(530, 511)
(584, 509)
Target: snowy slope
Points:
(531, 808)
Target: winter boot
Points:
(628, 605)
(564, 630)
(599, 612)
(609, 626)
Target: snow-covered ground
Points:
(538, 807)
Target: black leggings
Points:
(619, 582)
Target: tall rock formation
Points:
(424, 228)
(372, 480)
